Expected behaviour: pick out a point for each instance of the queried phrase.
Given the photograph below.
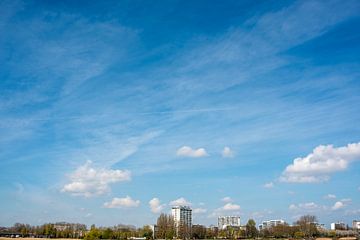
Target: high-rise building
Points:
(271, 223)
(228, 221)
(183, 220)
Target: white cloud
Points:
(260, 214)
(180, 202)
(231, 207)
(341, 204)
(318, 165)
(227, 153)
(310, 205)
(293, 207)
(126, 202)
(155, 205)
(228, 207)
(187, 151)
(88, 181)
(338, 205)
(269, 185)
(227, 199)
(330, 196)
(355, 212)
(306, 207)
(199, 210)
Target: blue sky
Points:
(112, 112)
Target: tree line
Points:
(51, 230)
(75, 230)
(305, 227)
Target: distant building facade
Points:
(183, 220)
(320, 226)
(338, 226)
(154, 230)
(228, 221)
(356, 225)
(271, 223)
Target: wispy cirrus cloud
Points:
(268, 185)
(330, 196)
(81, 87)
(227, 199)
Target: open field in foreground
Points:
(6, 238)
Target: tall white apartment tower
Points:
(183, 220)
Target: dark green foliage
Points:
(251, 230)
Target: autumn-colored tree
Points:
(307, 225)
(165, 227)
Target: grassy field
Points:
(5, 238)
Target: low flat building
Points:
(338, 226)
(271, 223)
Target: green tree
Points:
(107, 233)
(146, 231)
(251, 230)
(198, 231)
(93, 234)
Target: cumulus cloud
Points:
(126, 202)
(227, 152)
(341, 204)
(230, 207)
(155, 205)
(187, 151)
(269, 185)
(318, 165)
(199, 210)
(88, 181)
(338, 205)
(180, 202)
(330, 196)
(227, 199)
